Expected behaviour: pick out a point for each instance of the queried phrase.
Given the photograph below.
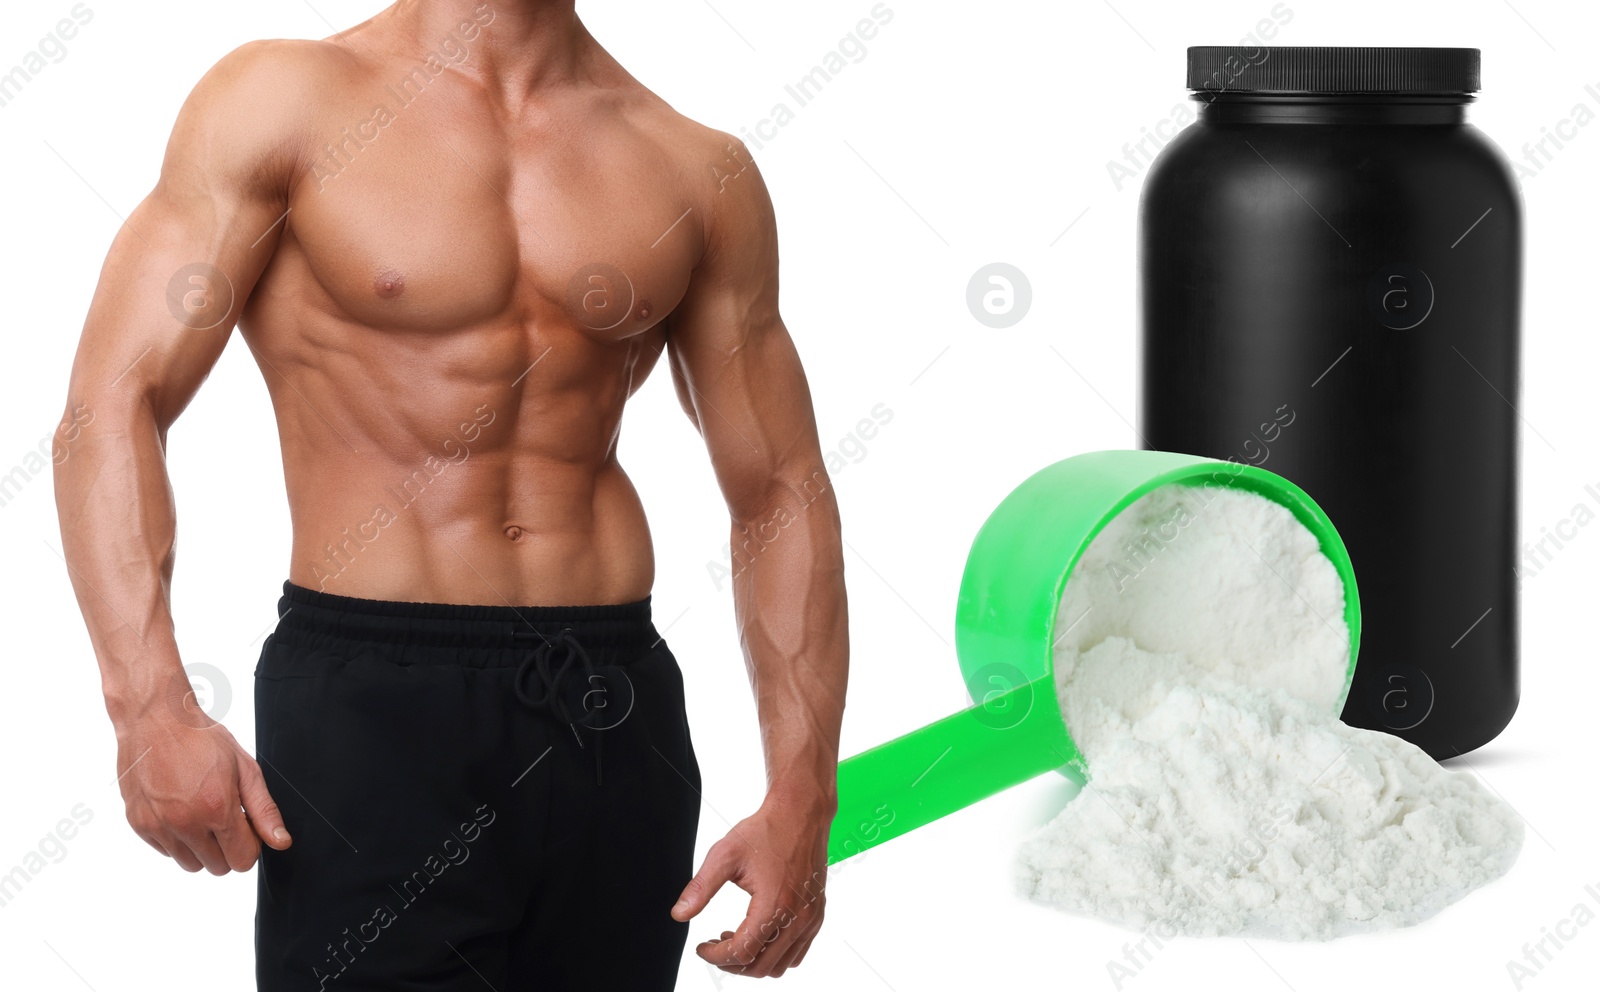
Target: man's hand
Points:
(780, 857)
(193, 793)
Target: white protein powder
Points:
(1200, 671)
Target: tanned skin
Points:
(452, 285)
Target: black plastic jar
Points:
(1330, 265)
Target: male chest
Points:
(439, 217)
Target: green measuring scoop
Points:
(1005, 633)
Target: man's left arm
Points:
(739, 378)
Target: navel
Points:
(389, 284)
(643, 310)
(514, 533)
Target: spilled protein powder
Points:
(1201, 673)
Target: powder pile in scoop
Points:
(1201, 668)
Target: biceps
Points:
(173, 283)
(753, 406)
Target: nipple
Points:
(389, 284)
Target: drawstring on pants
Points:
(581, 703)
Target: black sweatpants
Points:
(478, 795)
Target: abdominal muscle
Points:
(419, 471)
(445, 538)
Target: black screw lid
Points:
(1291, 70)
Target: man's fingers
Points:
(157, 845)
(238, 842)
(796, 953)
(732, 952)
(779, 923)
(805, 946)
(179, 851)
(781, 932)
(759, 941)
(717, 870)
(259, 806)
(206, 848)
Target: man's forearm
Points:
(114, 502)
(789, 597)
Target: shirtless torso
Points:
(456, 239)
(471, 289)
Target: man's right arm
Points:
(173, 283)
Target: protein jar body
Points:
(1330, 266)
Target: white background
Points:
(968, 134)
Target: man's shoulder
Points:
(253, 109)
(700, 140)
(271, 84)
(285, 67)
(689, 142)
(711, 162)
(717, 176)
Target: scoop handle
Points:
(950, 764)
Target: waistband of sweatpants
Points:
(443, 632)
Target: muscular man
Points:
(456, 238)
